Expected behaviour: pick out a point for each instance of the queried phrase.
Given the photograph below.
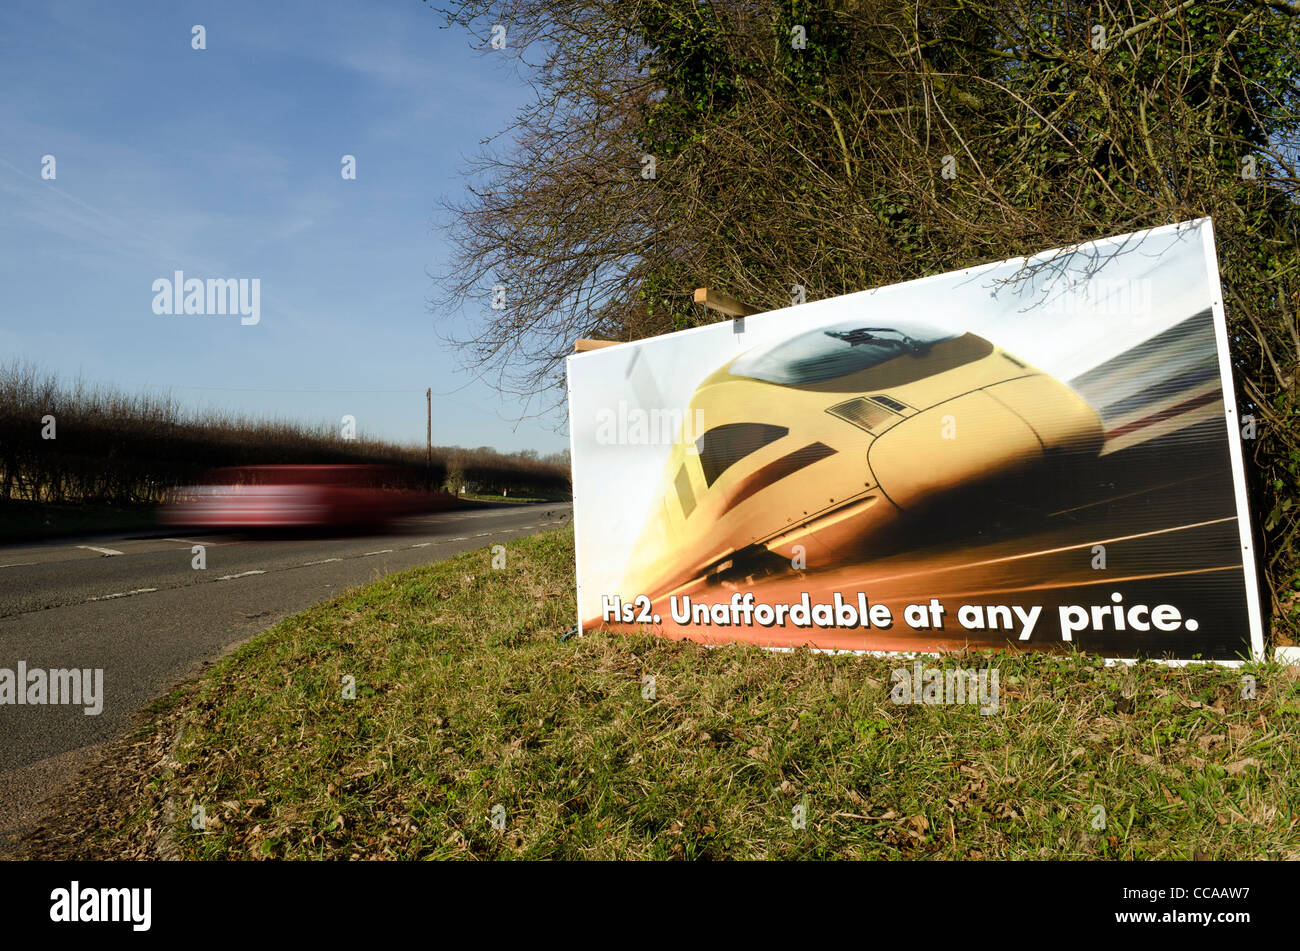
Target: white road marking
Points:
(382, 551)
(462, 538)
(18, 564)
(421, 545)
(123, 594)
(102, 551)
(323, 561)
(242, 574)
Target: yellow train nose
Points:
(1060, 417)
(979, 438)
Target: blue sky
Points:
(225, 163)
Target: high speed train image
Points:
(833, 438)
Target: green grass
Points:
(466, 699)
(521, 499)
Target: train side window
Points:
(724, 446)
(684, 493)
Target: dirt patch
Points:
(116, 806)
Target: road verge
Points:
(438, 714)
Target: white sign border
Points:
(1254, 615)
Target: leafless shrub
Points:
(112, 446)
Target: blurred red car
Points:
(299, 496)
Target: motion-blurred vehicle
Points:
(298, 497)
(827, 439)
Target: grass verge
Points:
(468, 704)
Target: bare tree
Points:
(758, 146)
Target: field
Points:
(470, 705)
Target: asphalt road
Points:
(137, 608)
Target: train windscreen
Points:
(851, 349)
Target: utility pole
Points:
(428, 438)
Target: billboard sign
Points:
(1043, 452)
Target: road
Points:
(138, 609)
